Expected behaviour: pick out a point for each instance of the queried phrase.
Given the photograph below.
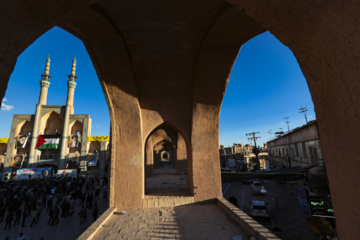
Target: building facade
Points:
(54, 136)
(244, 154)
(300, 147)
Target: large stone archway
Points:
(169, 61)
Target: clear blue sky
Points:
(265, 86)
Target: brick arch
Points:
(323, 37)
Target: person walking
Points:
(33, 216)
(72, 206)
(24, 215)
(95, 212)
(50, 203)
(38, 210)
(51, 215)
(2, 213)
(17, 216)
(56, 219)
(83, 215)
(9, 219)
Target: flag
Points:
(48, 142)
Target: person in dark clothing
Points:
(9, 219)
(44, 201)
(49, 203)
(24, 217)
(235, 201)
(51, 214)
(95, 212)
(56, 219)
(97, 191)
(17, 216)
(2, 213)
(28, 208)
(83, 215)
(90, 200)
(34, 217)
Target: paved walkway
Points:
(183, 222)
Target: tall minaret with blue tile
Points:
(68, 110)
(44, 87)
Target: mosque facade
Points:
(54, 136)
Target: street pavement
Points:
(69, 228)
(287, 218)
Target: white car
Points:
(257, 187)
(259, 209)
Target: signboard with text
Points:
(303, 202)
(317, 205)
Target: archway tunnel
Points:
(166, 164)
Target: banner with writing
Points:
(303, 202)
(27, 173)
(98, 138)
(317, 205)
(66, 173)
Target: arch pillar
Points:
(205, 141)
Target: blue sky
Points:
(266, 85)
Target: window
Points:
(314, 155)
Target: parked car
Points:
(258, 187)
(259, 209)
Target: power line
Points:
(304, 110)
(287, 122)
(256, 151)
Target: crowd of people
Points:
(24, 202)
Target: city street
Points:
(287, 218)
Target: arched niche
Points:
(76, 127)
(76, 130)
(26, 128)
(52, 123)
(94, 146)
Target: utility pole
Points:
(304, 110)
(256, 151)
(287, 122)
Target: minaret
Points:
(44, 84)
(71, 87)
(68, 110)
